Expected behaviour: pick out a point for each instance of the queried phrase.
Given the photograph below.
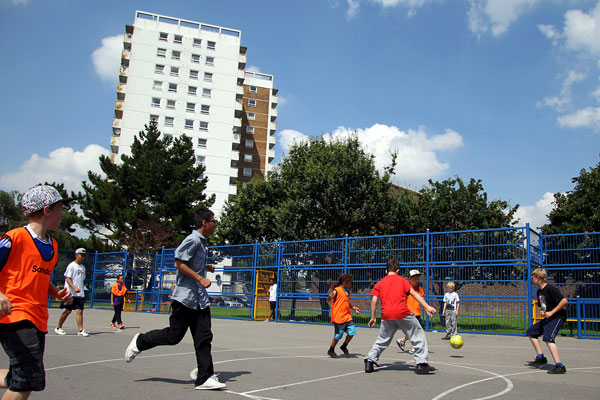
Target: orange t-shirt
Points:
(115, 290)
(25, 279)
(340, 309)
(413, 305)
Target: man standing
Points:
(74, 278)
(190, 305)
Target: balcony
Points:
(274, 99)
(239, 106)
(271, 154)
(237, 122)
(127, 39)
(114, 144)
(123, 71)
(237, 138)
(271, 140)
(116, 123)
(119, 104)
(113, 158)
(273, 114)
(125, 54)
(233, 172)
(272, 127)
(241, 75)
(235, 155)
(233, 190)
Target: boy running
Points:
(341, 317)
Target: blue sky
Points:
(506, 91)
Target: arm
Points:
(63, 295)
(112, 299)
(69, 282)
(5, 305)
(331, 297)
(186, 270)
(428, 309)
(562, 304)
(457, 306)
(352, 307)
(373, 319)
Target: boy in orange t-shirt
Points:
(341, 317)
(27, 257)
(412, 304)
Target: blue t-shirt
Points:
(188, 291)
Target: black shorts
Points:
(24, 345)
(77, 304)
(547, 327)
(273, 304)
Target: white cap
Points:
(414, 272)
(80, 250)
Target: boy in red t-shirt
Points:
(393, 291)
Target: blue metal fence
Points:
(491, 269)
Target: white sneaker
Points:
(132, 349)
(83, 333)
(194, 373)
(211, 383)
(60, 331)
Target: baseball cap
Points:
(39, 197)
(414, 272)
(80, 250)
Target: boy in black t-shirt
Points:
(553, 311)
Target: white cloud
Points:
(560, 102)
(352, 8)
(417, 150)
(253, 68)
(63, 165)
(550, 32)
(412, 5)
(18, 2)
(535, 215)
(496, 16)
(107, 58)
(588, 117)
(582, 31)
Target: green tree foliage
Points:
(578, 210)
(159, 185)
(452, 205)
(321, 189)
(11, 215)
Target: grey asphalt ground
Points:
(260, 360)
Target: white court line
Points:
(508, 388)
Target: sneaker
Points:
(60, 331)
(121, 326)
(211, 383)
(538, 362)
(446, 338)
(132, 349)
(400, 344)
(112, 325)
(412, 351)
(344, 349)
(83, 333)
(424, 368)
(194, 373)
(331, 353)
(369, 365)
(558, 369)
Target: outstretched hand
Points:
(65, 296)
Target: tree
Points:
(159, 184)
(11, 215)
(322, 189)
(578, 210)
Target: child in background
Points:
(341, 317)
(413, 306)
(451, 306)
(117, 300)
(272, 299)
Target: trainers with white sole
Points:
(211, 383)
(83, 333)
(60, 331)
(132, 349)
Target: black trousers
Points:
(182, 318)
(117, 317)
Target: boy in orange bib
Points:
(341, 317)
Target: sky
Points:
(506, 91)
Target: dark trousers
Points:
(182, 318)
(117, 316)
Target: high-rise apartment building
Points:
(190, 77)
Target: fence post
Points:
(254, 278)
(277, 264)
(346, 251)
(579, 326)
(93, 288)
(427, 285)
(529, 297)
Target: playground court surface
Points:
(287, 361)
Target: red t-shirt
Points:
(392, 290)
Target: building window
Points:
(195, 58)
(201, 159)
(155, 102)
(169, 121)
(192, 90)
(167, 136)
(175, 55)
(253, 89)
(190, 107)
(171, 104)
(250, 130)
(153, 117)
(159, 69)
(247, 172)
(174, 71)
(197, 42)
(206, 93)
(157, 85)
(211, 45)
(249, 143)
(210, 61)
(173, 87)
(203, 126)
(178, 39)
(251, 116)
(161, 52)
(193, 74)
(163, 36)
(202, 143)
(189, 124)
(251, 103)
(247, 157)
(208, 77)
(204, 109)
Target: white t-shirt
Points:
(451, 298)
(77, 274)
(273, 292)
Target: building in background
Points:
(190, 77)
